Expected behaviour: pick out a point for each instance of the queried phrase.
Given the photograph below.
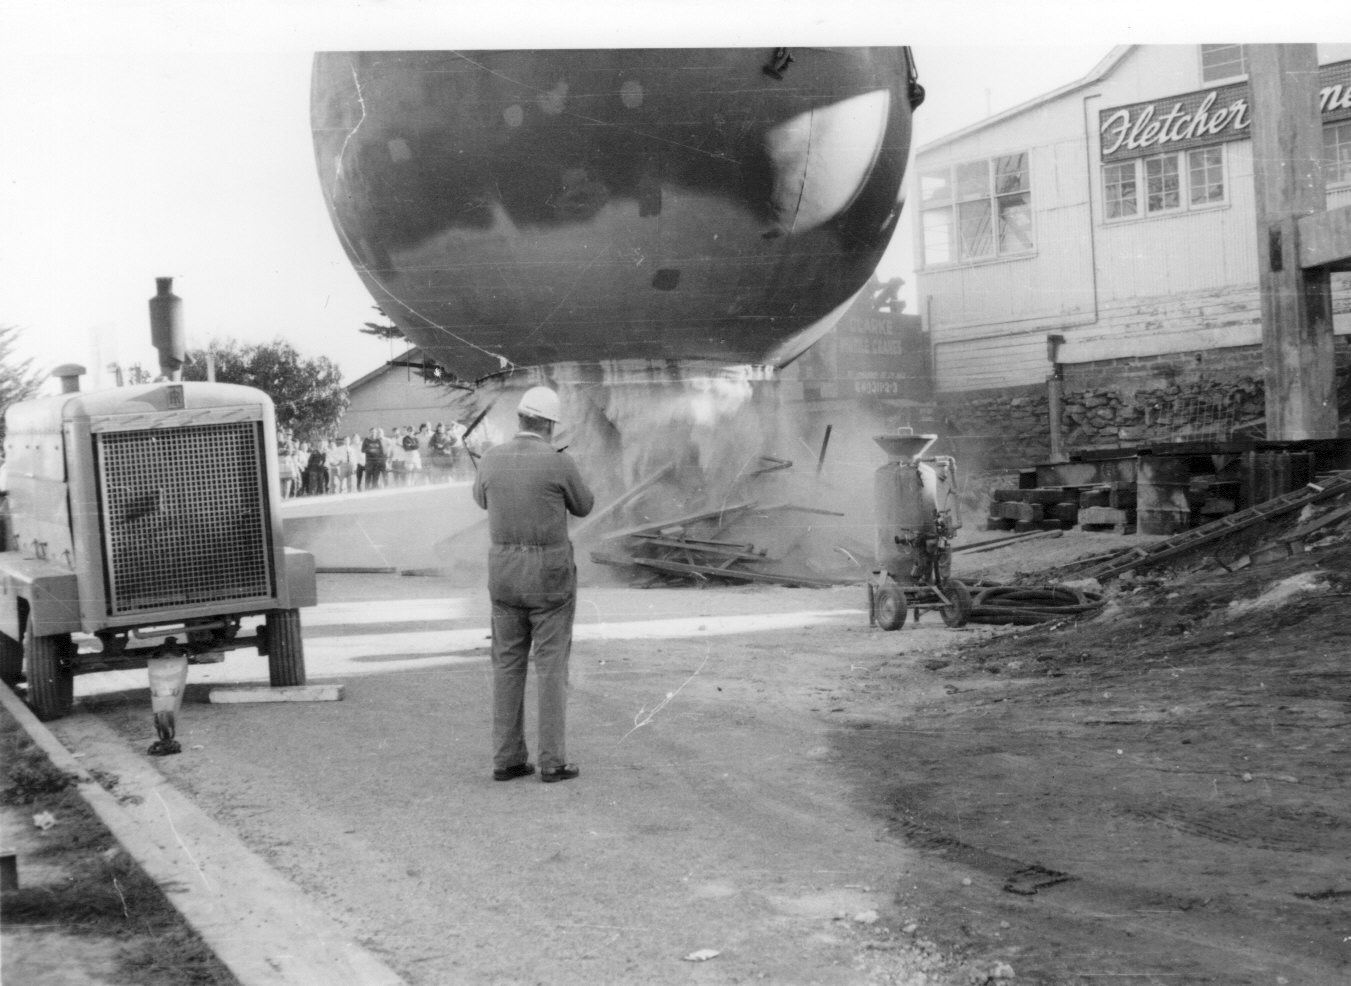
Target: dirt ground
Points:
(1157, 795)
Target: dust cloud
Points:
(671, 449)
(655, 451)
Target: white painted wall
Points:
(396, 397)
(1137, 287)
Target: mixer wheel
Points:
(958, 609)
(890, 607)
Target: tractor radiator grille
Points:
(184, 513)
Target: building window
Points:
(937, 236)
(1205, 175)
(1337, 153)
(1163, 183)
(1013, 197)
(977, 210)
(1119, 190)
(1170, 182)
(1222, 62)
(973, 222)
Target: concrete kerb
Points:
(261, 926)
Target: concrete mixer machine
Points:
(917, 512)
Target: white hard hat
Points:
(539, 402)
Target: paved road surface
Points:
(716, 810)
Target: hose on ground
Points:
(1027, 605)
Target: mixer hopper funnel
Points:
(904, 447)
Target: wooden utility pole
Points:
(1287, 149)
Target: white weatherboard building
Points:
(1116, 212)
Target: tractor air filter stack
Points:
(69, 374)
(166, 328)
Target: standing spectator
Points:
(299, 454)
(459, 450)
(316, 468)
(373, 451)
(394, 453)
(351, 452)
(331, 460)
(341, 465)
(287, 473)
(439, 454)
(354, 443)
(412, 457)
(298, 459)
(424, 435)
(529, 489)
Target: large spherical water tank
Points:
(520, 208)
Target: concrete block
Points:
(262, 693)
(1018, 512)
(1102, 517)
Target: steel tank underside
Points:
(511, 209)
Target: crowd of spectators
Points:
(405, 456)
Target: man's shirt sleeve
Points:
(576, 494)
(480, 491)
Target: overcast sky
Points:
(144, 139)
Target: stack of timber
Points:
(1037, 509)
(1323, 488)
(697, 549)
(1112, 506)
(1161, 489)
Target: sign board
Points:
(1208, 116)
(873, 352)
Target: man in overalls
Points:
(528, 489)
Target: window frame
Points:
(1191, 152)
(1343, 179)
(950, 191)
(1168, 181)
(1185, 172)
(1134, 183)
(1242, 73)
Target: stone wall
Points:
(1217, 394)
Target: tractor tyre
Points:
(958, 610)
(51, 683)
(889, 607)
(285, 650)
(11, 661)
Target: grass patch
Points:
(102, 892)
(29, 775)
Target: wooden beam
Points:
(739, 574)
(584, 528)
(1325, 239)
(1287, 149)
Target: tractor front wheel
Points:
(51, 683)
(285, 651)
(11, 661)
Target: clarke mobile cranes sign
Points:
(874, 353)
(1209, 116)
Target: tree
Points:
(390, 331)
(18, 381)
(308, 393)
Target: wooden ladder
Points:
(1325, 487)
